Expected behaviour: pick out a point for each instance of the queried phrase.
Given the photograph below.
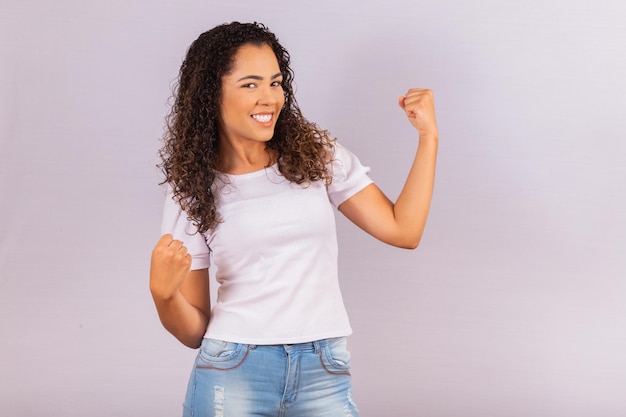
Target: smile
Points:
(263, 118)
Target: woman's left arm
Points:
(402, 223)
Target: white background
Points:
(514, 305)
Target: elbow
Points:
(411, 238)
(405, 237)
(411, 245)
(192, 343)
(409, 242)
(192, 338)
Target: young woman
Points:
(251, 185)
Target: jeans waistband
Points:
(316, 345)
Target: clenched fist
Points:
(169, 267)
(419, 105)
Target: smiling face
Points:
(252, 97)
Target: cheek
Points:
(281, 100)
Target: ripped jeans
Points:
(300, 380)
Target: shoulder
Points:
(344, 162)
(349, 175)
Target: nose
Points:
(270, 95)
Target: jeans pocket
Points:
(336, 356)
(219, 354)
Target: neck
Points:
(242, 159)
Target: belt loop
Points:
(318, 347)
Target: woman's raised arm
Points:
(402, 223)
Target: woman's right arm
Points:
(181, 296)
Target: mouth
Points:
(263, 118)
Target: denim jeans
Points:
(300, 380)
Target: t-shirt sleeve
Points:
(175, 222)
(349, 176)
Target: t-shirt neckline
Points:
(253, 174)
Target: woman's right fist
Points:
(169, 267)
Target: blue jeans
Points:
(301, 380)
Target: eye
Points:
(249, 85)
(277, 84)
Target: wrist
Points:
(430, 140)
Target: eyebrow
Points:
(259, 78)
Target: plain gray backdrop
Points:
(515, 303)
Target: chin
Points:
(267, 138)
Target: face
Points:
(252, 96)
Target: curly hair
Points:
(190, 151)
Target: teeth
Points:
(263, 118)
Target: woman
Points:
(251, 188)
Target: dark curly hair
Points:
(190, 151)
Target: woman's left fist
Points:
(419, 106)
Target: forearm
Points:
(402, 223)
(183, 320)
(413, 204)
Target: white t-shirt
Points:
(275, 254)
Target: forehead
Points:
(254, 59)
